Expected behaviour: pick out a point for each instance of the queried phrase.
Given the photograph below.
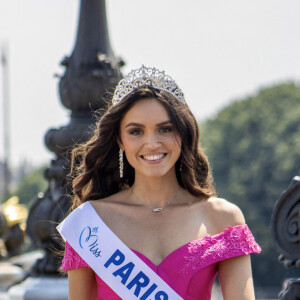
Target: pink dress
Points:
(191, 269)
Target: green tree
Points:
(253, 147)
(30, 185)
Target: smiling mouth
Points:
(153, 157)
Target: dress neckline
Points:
(196, 241)
(206, 236)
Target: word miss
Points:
(89, 239)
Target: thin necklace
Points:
(156, 209)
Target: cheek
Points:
(130, 143)
(174, 144)
(176, 141)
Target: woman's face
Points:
(151, 143)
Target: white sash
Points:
(111, 259)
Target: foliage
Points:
(30, 185)
(253, 146)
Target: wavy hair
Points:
(95, 164)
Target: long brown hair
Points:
(95, 164)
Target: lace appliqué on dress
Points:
(71, 259)
(234, 241)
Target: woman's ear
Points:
(120, 144)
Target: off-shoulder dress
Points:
(190, 269)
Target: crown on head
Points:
(146, 77)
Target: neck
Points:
(155, 192)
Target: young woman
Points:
(146, 177)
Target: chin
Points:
(156, 174)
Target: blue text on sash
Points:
(141, 281)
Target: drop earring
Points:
(121, 164)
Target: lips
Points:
(153, 157)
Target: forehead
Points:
(146, 110)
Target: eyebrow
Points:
(142, 125)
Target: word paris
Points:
(118, 266)
(140, 280)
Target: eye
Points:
(166, 129)
(135, 131)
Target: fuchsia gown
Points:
(191, 269)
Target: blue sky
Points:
(218, 51)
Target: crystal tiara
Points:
(146, 77)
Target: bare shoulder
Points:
(223, 214)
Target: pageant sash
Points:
(118, 266)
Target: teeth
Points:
(153, 157)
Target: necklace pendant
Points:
(158, 209)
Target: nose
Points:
(152, 140)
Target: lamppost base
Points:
(291, 291)
(40, 288)
(9, 275)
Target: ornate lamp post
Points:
(91, 70)
(286, 234)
